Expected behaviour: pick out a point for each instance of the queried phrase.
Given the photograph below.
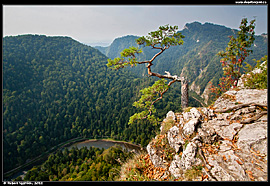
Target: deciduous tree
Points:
(237, 51)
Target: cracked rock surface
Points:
(217, 145)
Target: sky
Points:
(100, 25)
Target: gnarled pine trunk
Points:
(184, 93)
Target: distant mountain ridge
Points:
(196, 58)
(60, 89)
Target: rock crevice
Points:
(216, 144)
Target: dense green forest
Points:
(196, 59)
(56, 89)
(83, 164)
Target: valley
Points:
(57, 90)
(60, 89)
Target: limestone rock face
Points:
(175, 139)
(175, 167)
(242, 79)
(155, 158)
(189, 127)
(171, 115)
(229, 98)
(207, 133)
(192, 114)
(188, 156)
(252, 136)
(218, 144)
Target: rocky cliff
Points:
(225, 142)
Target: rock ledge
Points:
(216, 145)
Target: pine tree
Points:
(162, 39)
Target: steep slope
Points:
(196, 59)
(207, 144)
(223, 142)
(55, 89)
(211, 145)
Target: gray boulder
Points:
(226, 148)
(175, 139)
(189, 127)
(188, 156)
(155, 158)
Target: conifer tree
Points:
(162, 39)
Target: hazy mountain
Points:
(96, 44)
(196, 59)
(59, 89)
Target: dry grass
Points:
(166, 126)
(141, 168)
(131, 170)
(193, 174)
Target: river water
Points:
(106, 144)
(95, 143)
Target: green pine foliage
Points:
(161, 39)
(83, 164)
(127, 54)
(195, 59)
(60, 89)
(145, 103)
(56, 89)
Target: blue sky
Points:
(102, 24)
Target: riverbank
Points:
(107, 143)
(117, 141)
(35, 161)
(43, 156)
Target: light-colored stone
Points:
(242, 79)
(171, 115)
(225, 146)
(175, 139)
(156, 160)
(195, 113)
(188, 156)
(229, 169)
(207, 134)
(189, 127)
(253, 134)
(230, 130)
(226, 149)
(208, 112)
(242, 96)
(175, 167)
(218, 172)
(192, 114)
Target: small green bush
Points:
(257, 80)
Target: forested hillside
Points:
(56, 89)
(196, 59)
(83, 164)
